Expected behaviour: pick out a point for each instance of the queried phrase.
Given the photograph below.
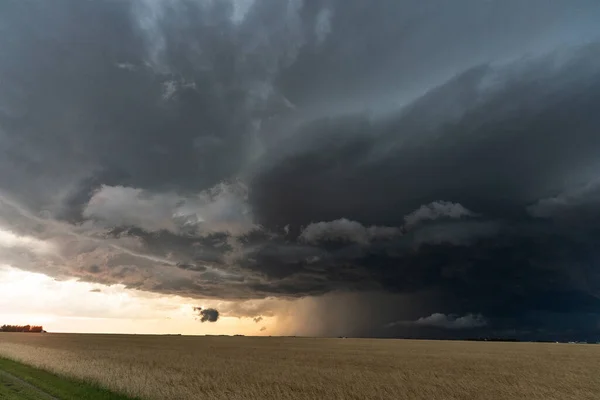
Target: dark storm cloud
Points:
(207, 314)
(442, 151)
(401, 166)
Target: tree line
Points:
(22, 328)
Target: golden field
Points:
(230, 368)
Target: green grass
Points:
(12, 389)
(54, 385)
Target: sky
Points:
(393, 168)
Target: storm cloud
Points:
(442, 155)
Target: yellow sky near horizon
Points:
(83, 307)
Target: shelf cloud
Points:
(441, 153)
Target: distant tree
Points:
(22, 328)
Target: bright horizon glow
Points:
(83, 307)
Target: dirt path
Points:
(8, 380)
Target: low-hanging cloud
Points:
(580, 201)
(468, 321)
(345, 230)
(207, 314)
(434, 211)
(443, 321)
(222, 208)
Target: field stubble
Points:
(231, 368)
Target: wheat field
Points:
(185, 368)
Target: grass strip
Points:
(54, 385)
(12, 388)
